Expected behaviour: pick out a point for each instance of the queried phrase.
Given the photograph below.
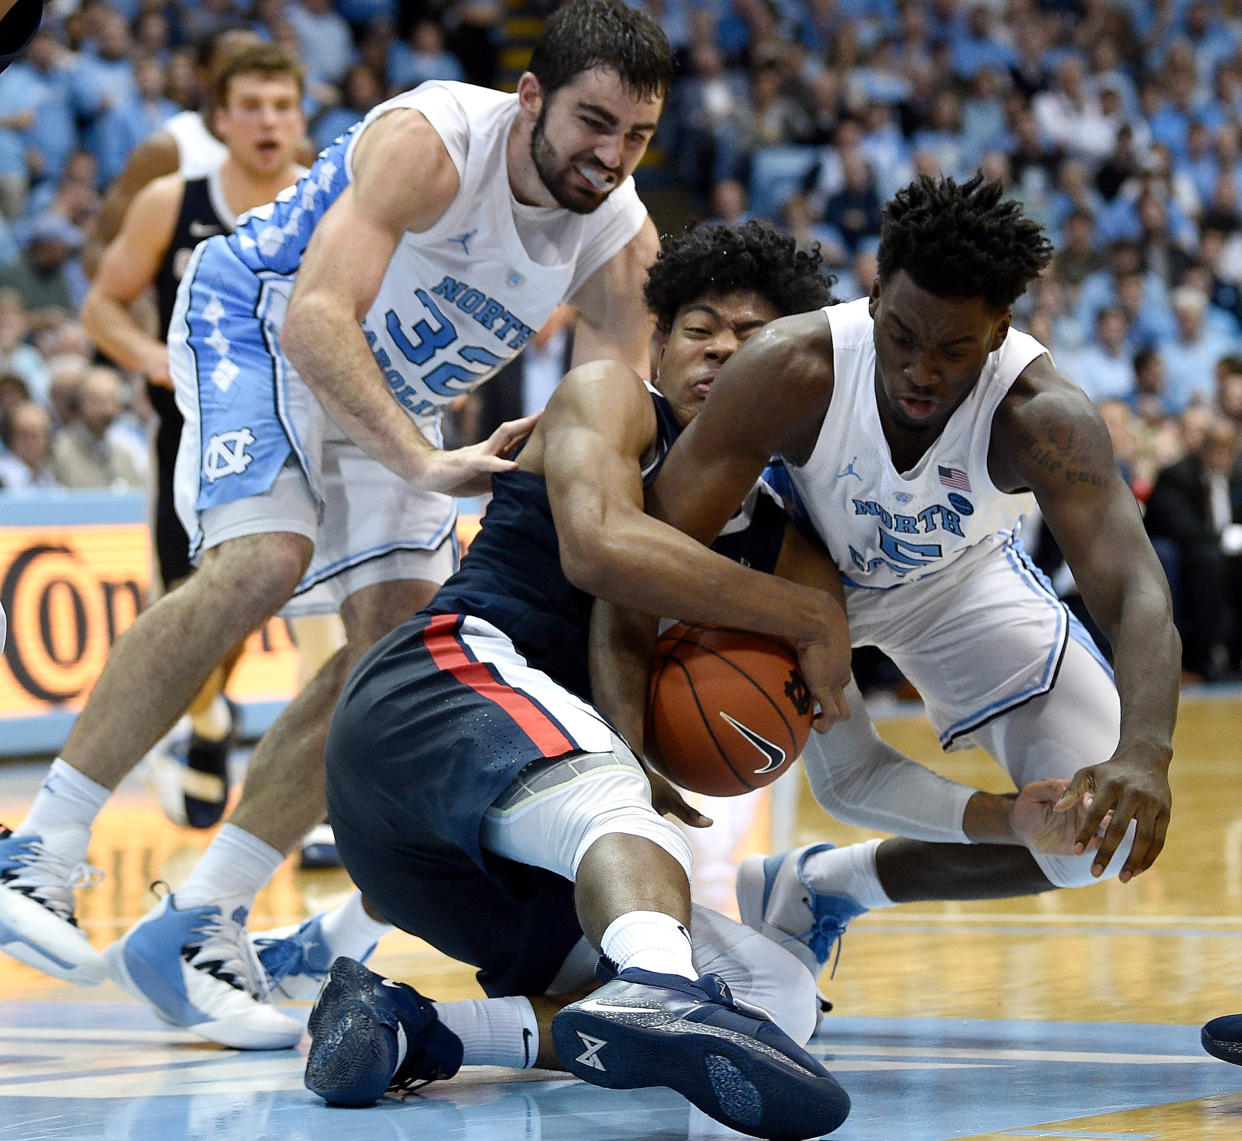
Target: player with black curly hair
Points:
(916, 424)
(716, 259)
(483, 802)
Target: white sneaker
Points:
(775, 899)
(38, 878)
(197, 969)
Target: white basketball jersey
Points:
(199, 151)
(885, 527)
(462, 298)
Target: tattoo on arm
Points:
(1063, 454)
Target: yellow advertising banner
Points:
(71, 590)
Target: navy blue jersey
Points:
(512, 577)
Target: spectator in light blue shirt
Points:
(1191, 356)
(42, 75)
(421, 58)
(102, 76)
(980, 45)
(1104, 366)
(17, 116)
(324, 39)
(142, 114)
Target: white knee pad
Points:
(1075, 871)
(556, 810)
(758, 971)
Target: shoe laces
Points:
(825, 931)
(52, 878)
(281, 957)
(227, 953)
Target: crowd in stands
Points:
(1117, 122)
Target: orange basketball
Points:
(727, 711)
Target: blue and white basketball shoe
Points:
(297, 959)
(370, 1035)
(774, 898)
(197, 969)
(39, 876)
(730, 1059)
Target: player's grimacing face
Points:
(705, 334)
(589, 137)
(261, 121)
(929, 351)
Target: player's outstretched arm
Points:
(769, 398)
(1047, 436)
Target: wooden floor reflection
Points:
(1071, 1014)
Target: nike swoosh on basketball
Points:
(204, 230)
(774, 753)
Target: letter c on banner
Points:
(55, 612)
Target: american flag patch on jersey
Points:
(953, 477)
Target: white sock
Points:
(848, 871)
(349, 930)
(231, 872)
(66, 798)
(215, 722)
(650, 940)
(493, 1031)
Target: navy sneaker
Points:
(728, 1058)
(1222, 1038)
(370, 1034)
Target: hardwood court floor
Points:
(1068, 1015)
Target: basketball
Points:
(727, 711)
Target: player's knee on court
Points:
(635, 819)
(557, 809)
(1075, 871)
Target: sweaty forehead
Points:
(939, 319)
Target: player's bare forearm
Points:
(988, 818)
(116, 332)
(327, 347)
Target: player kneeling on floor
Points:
(482, 800)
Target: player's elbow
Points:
(91, 316)
(303, 325)
(595, 562)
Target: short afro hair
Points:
(965, 240)
(711, 258)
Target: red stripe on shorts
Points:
(444, 646)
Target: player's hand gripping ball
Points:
(727, 711)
